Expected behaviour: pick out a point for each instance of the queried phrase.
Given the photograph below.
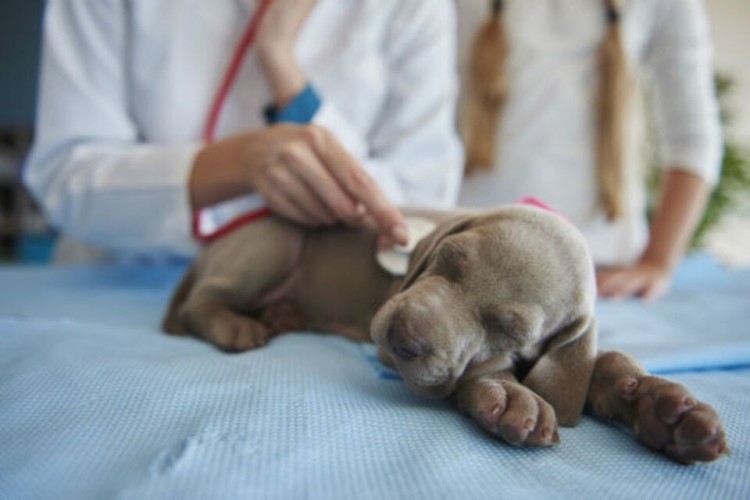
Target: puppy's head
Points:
(509, 289)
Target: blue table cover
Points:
(95, 402)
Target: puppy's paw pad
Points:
(705, 451)
(513, 434)
(628, 387)
(516, 415)
(487, 404)
(670, 419)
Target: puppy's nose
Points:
(402, 341)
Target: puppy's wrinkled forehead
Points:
(523, 246)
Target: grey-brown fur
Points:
(496, 312)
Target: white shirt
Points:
(546, 137)
(126, 86)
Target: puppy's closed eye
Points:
(508, 324)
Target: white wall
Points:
(730, 28)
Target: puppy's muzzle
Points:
(405, 337)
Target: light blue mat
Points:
(96, 403)
(703, 324)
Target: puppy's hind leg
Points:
(281, 317)
(663, 415)
(234, 276)
(171, 322)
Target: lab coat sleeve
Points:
(680, 61)
(413, 151)
(89, 169)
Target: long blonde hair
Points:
(488, 88)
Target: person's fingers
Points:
(286, 206)
(609, 281)
(646, 281)
(311, 186)
(602, 275)
(290, 196)
(618, 284)
(329, 195)
(359, 185)
(656, 288)
(630, 286)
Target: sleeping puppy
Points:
(495, 312)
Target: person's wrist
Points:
(285, 76)
(216, 174)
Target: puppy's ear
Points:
(562, 373)
(425, 247)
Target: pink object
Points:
(535, 202)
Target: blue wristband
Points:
(300, 110)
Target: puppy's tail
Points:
(171, 322)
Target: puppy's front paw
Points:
(232, 332)
(668, 418)
(510, 411)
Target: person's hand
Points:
(645, 279)
(304, 174)
(310, 178)
(683, 196)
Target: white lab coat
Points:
(126, 86)
(545, 143)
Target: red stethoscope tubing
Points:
(209, 132)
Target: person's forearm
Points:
(277, 36)
(682, 199)
(284, 74)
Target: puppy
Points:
(495, 312)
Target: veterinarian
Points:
(550, 110)
(162, 123)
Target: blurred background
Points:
(26, 238)
(24, 235)
(730, 25)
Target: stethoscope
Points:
(209, 132)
